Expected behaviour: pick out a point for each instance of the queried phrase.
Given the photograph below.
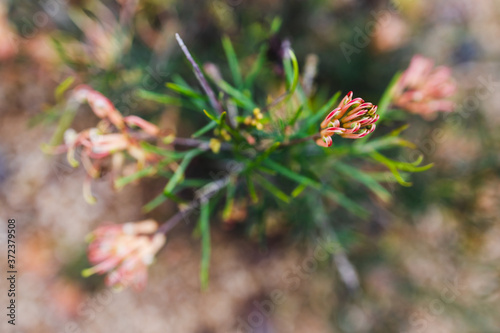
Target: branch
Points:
(203, 195)
(346, 269)
(199, 75)
(297, 141)
(186, 142)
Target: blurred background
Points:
(427, 262)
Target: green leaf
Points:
(251, 190)
(231, 191)
(398, 130)
(403, 166)
(186, 91)
(315, 119)
(162, 197)
(398, 177)
(295, 74)
(238, 97)
(272, 188)
(62, 87)
(205, 244)
(393, 166)
(263, 156)
(222, 120)
(232, 61)
(204, 129)
(383, 177)
(386, 98)
(275, 25)
(296, 116)
(159, 98)
(385, 142)
(211, 116)
(364, 178)
(158, 200)
(265, 170)
(172, 155)
(298, 190)
(291, 67)
(122, 181)
(222, 124)
(330, 105)
(326, 190)
(257, 66)
(179, 173)
(64, 123)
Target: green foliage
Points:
(205, 244)
(258, 136)
(232, 61)
(178, 175)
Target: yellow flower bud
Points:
(215, 145)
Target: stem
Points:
(186, 142)
(276, 101)
(65, 122)
(203, 195)
(297, 141)
(295, 80)
(347, 271)
(199, 75)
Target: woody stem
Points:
(186, 142)
(203, 195)
(199, 75)
(297, 141)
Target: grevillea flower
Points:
(124, 252)
(352, 119)
(102, 107)
(113, 136)
(423, 89)
(95, 144)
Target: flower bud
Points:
(352, 119)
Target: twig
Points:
(186, 142)
(199, 75)
(346, 269)
(276, 101)
(204, 194)
(297, 141)
(311, 69)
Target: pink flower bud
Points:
(352, 119)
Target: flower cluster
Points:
(114, 135)
(124, 252)
(423, 89)
(352, 119)
(255, 120)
